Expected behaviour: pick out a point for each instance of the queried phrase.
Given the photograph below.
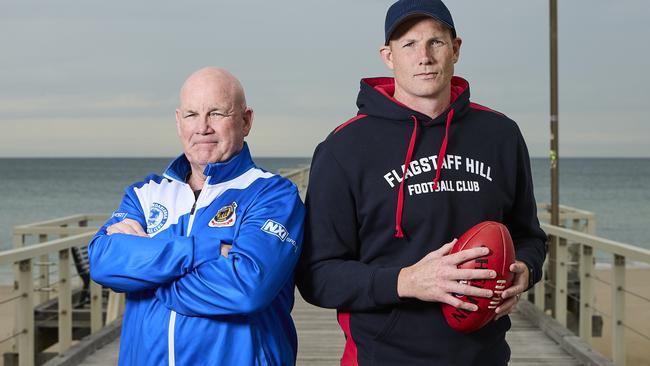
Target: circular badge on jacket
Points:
(157, 217)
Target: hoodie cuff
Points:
(204, 252)
(384, 286)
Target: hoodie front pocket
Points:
(389, 324)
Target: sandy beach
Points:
(636, 311)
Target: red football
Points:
(496, 237)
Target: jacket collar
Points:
(180, 168)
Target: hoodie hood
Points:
(376, 99)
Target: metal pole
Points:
(554, 155)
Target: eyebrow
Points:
(211, 109)
(438, 35)
(188, 112)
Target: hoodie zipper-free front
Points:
(399, 232)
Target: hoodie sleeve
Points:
(330, 274)
(260, 262)
(527, 235)
(129, 263)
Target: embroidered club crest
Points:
(226, 216)
(157, 218)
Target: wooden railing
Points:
(299, 177)
(71, 231)
(572, 249)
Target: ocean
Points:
(31, 190)
(616, 190)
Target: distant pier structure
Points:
(63, 318)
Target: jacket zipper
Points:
(172, 314)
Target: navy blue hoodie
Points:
(365, 223)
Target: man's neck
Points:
(430, 106)
(196, 180)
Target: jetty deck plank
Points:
(321, 342)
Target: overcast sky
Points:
(89, 78)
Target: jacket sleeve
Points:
(129, 263)
(522, 221)
(330, 274)
(261, 261)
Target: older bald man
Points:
(205, 252)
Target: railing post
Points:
(618, 310)
(18, 241)
(586, 312)
(591, 225)
(300, 182)
(63, 235)
(551, 273)
(95, 307)
(115, 306)
(540, 291)
(562, 256)
(25, 314)
(65, 301)
(43, 273)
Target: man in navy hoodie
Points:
(419, 165)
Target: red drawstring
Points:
(443, 150)
(399, 233)
(400, 196)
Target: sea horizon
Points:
(615, 189)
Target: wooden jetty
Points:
(320, 342)
(554, 326)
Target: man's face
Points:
(211, 122)
(422, 55)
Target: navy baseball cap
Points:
(405, 9)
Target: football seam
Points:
(473, 235)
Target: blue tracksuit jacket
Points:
(186, 304)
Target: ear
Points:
(178, 122)
(456, 48)
(386, 56)
(248, 121)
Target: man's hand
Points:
(126, 226)
(511, 294)
(435, 277)
(132, 227)
(225, 249)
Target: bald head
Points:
(214, 77)
(212, 118)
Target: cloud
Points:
(83, 66)
(101, 137)
(58, 106)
